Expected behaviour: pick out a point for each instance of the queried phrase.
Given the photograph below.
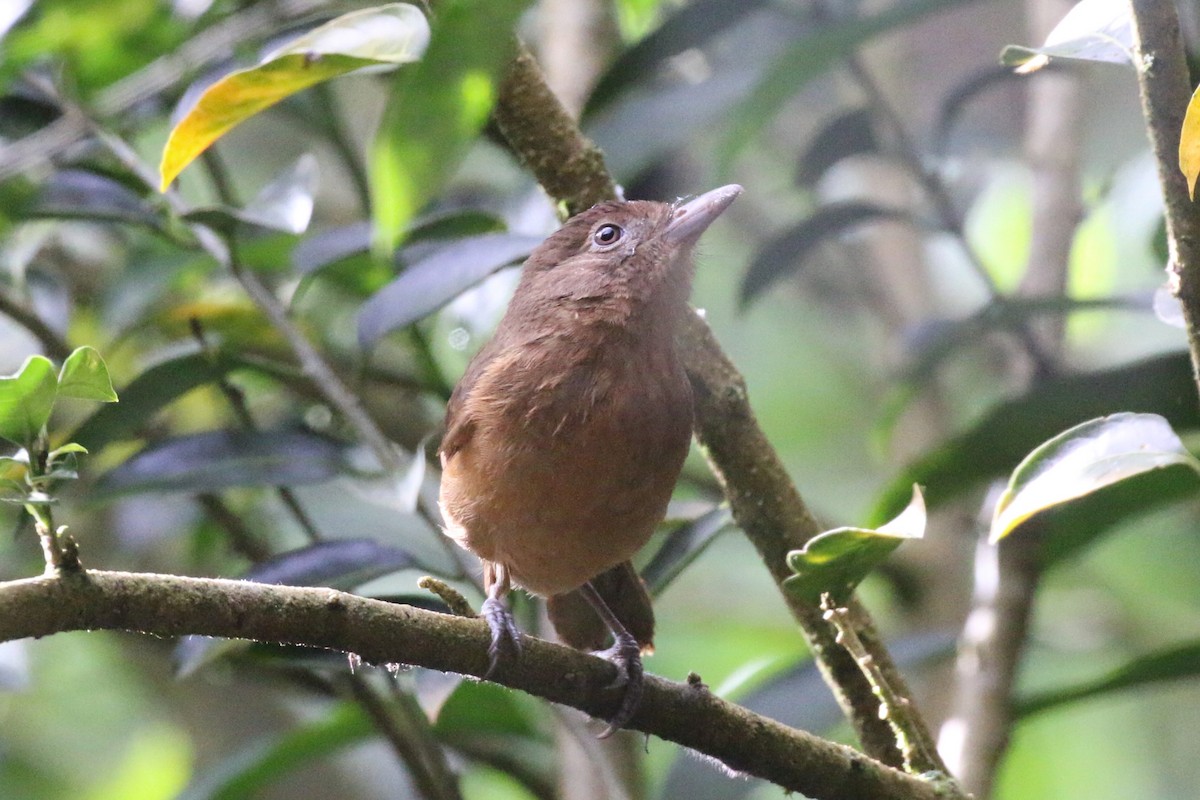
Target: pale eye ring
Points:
(607, 234)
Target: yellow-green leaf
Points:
(1189, 144)
(376, 37)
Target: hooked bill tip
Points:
(689, 220)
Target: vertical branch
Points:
(1165, 89)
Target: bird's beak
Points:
(692, 218)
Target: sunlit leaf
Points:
(437, 109)
(1169, 664)
(1002, 437)
(85, 375)
(436, 280)
(1088, 459)
(262, 764)
(26, 400)
(785, 254)
(1189, 143)
(387, 35)
(1093, 30)
(216, 460)
(836, 561)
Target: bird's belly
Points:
(559, 514)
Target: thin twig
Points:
(894, 708)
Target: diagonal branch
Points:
(385, 633)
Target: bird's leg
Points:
(506, 636)
(626, 654)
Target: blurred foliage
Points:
(866, 284)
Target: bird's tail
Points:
(578, 624)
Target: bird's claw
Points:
(626, 656)
(506, 636)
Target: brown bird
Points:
(567, 433)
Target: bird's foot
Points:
(506, 636)
(626, 655)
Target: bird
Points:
(569, 428)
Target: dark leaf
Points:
(149, 393)
(785, 254)
(953, 102)
(338, 564)
(995, 444)
(218, 460)
(336, 244)
(691, 26)
(436, 280)
(849, 133)
(1169, 664)
(682, 546)
(77, 194)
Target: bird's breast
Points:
(568, 471)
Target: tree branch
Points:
(384, 633)
(1165, 89)
(764, 501)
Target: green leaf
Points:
(383, 36)
(836, 561)
(1169, 664)
(217, 460)
(1088, 459)
(261, 765)
(994, 445)
(437, 109)
(85, 375)
(26, 400)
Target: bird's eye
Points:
(607, 234)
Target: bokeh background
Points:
(868, 284)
